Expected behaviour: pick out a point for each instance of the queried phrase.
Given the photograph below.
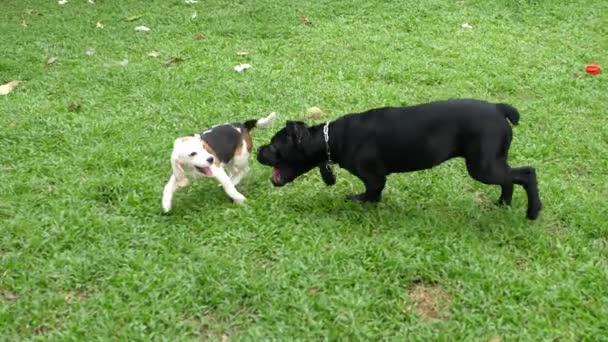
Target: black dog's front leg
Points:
(374, 184)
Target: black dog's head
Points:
(293, 151)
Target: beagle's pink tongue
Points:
(276, 174)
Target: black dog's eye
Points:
(193, 154)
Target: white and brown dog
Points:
(221, 152)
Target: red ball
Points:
(593, 69)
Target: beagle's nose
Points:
(210, 160)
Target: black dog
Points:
(378, 142)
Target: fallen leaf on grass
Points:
(189, 2)
(194, 15)
(313, 113)
(23, 23)
(74, 107)
(123, 63)
(99, 25)
(8, 87)
(62, 2)
(495, 339)
(8, 296)
(33, 12)
(173, 60)
(242, 53)
(153, 54)
(314, 290)
(304, 20)
(466, 26)
(142, 29)
(199, 36)
(90, 51)
(133, 17)
(241, 67)
(92, 2)
(51, 60)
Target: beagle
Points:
(221, 151)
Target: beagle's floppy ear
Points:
(178, 172)
(299, 131)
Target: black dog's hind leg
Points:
(498, 172)
(526, 177)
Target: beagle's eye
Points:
(193, 154)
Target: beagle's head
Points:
(190, 154)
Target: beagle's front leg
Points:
(170, 188)
(220, 174)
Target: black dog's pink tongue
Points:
(276, 175)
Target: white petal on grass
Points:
(142, 29)
(466, 26)
(90, 51)
(194, 15)
(153, 54)
(62, 2)
(190, 2)
(241, 67)
(8, 87)
(123, 63)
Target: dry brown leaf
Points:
(74, 107)
(8, 296)
(8, 87)
(153, 54)
(313, 113)
(304, 20)
(199, 37)
(495, 339)
(173, 60)
(51, 60)
(314, 290)
(133, 17)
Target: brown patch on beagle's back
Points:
(216, 160)
(247, 137)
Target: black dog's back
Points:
(422, 136)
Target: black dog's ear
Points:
(299, 131)
(327, 174)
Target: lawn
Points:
(86, 253)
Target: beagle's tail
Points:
(263, 122)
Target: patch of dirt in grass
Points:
(430, 301)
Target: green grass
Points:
(85, 252)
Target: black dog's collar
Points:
(326, 172)
(326, 137)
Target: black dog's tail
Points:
(263, 122)
(509, 112)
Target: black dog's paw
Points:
(362, 198)
(534, 211)
(502, 202)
